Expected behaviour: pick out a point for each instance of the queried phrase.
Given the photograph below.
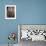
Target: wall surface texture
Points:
(27, 12)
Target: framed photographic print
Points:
(10, 12)
(33, 32)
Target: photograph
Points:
(10, 12)
(28, 33)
